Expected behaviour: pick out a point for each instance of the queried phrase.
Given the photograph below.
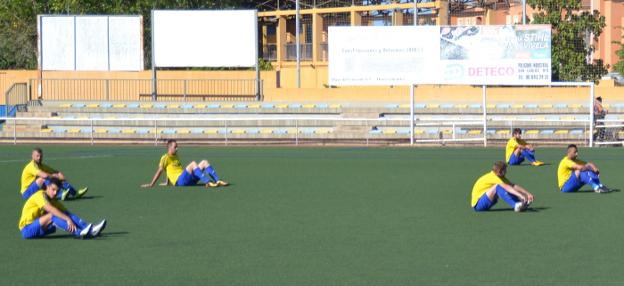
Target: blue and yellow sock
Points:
(201, 176)
(211, 171)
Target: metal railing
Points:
(141, 89)
(16, 97)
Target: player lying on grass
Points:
(518, 150)
(42, 214)
(189, 176)
(36, 176)
(494, 185)
(574, 173)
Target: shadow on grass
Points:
(592, 192)
(529, 210)
(104, 235)
(87, 198)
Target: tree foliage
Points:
(571, 42)
(18, 21)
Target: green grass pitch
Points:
(317, 216)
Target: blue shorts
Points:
(484, 203)
(573, 184)
(33, 188)
(34, 230)
(186, 179)
(514, 160)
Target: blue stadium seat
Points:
(503, 106)
(476, 106)
(114, 130)
(268, 106)
(186, 106)
(85, 130)
(160, 106)
(143, 131)
(78, 105)
(560, 105)
(420, 106)
(280, 131)
(168, 131)
(213, 106)
(577, 132)
(375, 131)
(392, 106)
(447, 105)
(547, 132)
(253, 131)
(530, 105)
(106, 105)
(322, 106)
(294, 105)
(133, 105)
(197, 130)
(240, 106)
(403, 130)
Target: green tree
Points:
(619, 66)
(571, 43)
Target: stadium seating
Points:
(554, 121)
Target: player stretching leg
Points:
(573, 173)
(494, 185)
(36, 175)
(42, 214)
(517, 150)
(189, 176)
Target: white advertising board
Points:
(405, 55)
(205, 38)
(91, 43)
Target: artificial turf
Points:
(317, 216)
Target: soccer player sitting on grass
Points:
(189, 176)
(517, 150)
(36, 176)
(494, 185)
(42, 214)
(574, 173)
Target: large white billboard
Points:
(205, 38)
(91, 43)
(405, 55)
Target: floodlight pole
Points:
(154, 79)
(591, 115)
(412, 85)
(484, 116)
(258, 79)
(415, 12)
(297, 41)
(524, 12)
(411, 114)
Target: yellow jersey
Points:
(33, 208)
(565, 169)
(173, 167)
(512, 144)
(29, 174)
(484, 184)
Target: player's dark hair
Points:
(38, 150)
(517, 131)
(55, 181)
(171, 141)
(499, 165)
(599, 98)
(572, 146)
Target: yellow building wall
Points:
(315, 89)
